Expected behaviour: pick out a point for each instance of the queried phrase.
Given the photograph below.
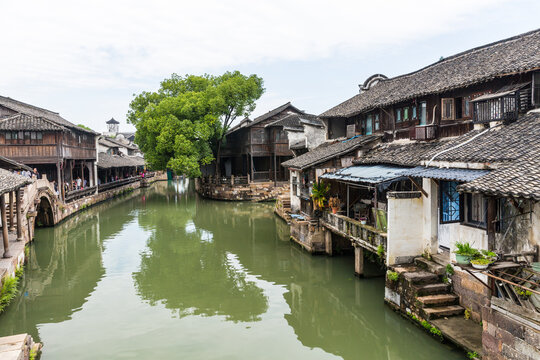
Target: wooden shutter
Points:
(447, 109)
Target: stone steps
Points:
(432, 289)
(439, 300)
(441, 259)
(430, 266)
(442, 311)
(420, 278)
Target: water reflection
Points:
(164, 273)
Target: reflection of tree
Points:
(185, 270)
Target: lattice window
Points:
(450, 202)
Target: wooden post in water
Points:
(358, 260)
(328, 242)
(19, 215)
(4, 226)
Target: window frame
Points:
(459, 201)
(448, 104)
(467, 206)
(398, 116)
(423, 115)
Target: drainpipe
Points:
(433, 117)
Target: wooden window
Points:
(377, 122)
(450, 202)
(423, 113)
(447, 109)
(467, 107)
(369, 125)
(8, 135)
(476, 210)
(536, 89)
(405, 114)
(398, 115)
(39, 135)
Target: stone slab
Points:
(464, 333)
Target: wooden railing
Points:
(503, 108)
(80, 193)
(364, 235)
(225, 180)
(117, 183)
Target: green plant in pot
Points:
(318, 194)
(481, 263)
(334, 203)
(465, 252)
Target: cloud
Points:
(116, 44)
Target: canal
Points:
(162, 273)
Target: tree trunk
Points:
(218, 160)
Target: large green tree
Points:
(183, 125)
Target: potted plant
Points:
(318, 194)
(480, 263)
(464, 253)
(334, 203)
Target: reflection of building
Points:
(42, 139)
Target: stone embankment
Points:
(232, 190)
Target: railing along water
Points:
(365, 235)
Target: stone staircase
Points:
(433, 297)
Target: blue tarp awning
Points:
(371, 174)
(450, 174)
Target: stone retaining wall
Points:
(473, 295)
(255, 191)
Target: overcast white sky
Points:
(87, 59)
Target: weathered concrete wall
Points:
(295, 196)
(508, 335)
(404, 227)
(524, 230)
(309, 236)
(430, 211)
(242, 192)
(456, 232)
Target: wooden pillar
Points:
(82, 173)
(4, 226)
(71, 174)
(348, 200)
(275, 170)
(328, 242)
(358, 260)
(491, 225)
(19, 194)
(376, 209)
(251, 156)
(11, 218)
(59, 181)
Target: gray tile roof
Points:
(10, 181)
(514, 55)
(275, 112)
(106, 161)
(496, 145)
(296, 121)
(111, 142)
(451, 174)
(30, 123)
(328, 151)
(23, 108)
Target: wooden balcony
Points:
(363, 235)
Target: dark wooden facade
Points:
(257, 150)
(43, 140)
(446, 114)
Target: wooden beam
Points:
(419, 187)
(4, 226)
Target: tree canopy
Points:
(182, 125)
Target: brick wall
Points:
(508, 336)
(473, 295)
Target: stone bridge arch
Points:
(46, 209)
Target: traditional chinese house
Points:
(42, 139)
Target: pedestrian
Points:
(79, 183)
(36, 173)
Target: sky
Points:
(86, 60)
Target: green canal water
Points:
(164, 274)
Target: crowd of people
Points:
(27, 173)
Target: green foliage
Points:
(449, 270)
(84, 127)
(432, 329)
(182, 125)
(33, 354)
(9, 289)
(445, 280)
(472, 355)
(467, 314)
(481, 261)
(392, 275)
(319, 192)
(525, 294)
(464, 248)
(380, 251)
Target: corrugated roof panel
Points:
(372, 174)
(446, 174)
